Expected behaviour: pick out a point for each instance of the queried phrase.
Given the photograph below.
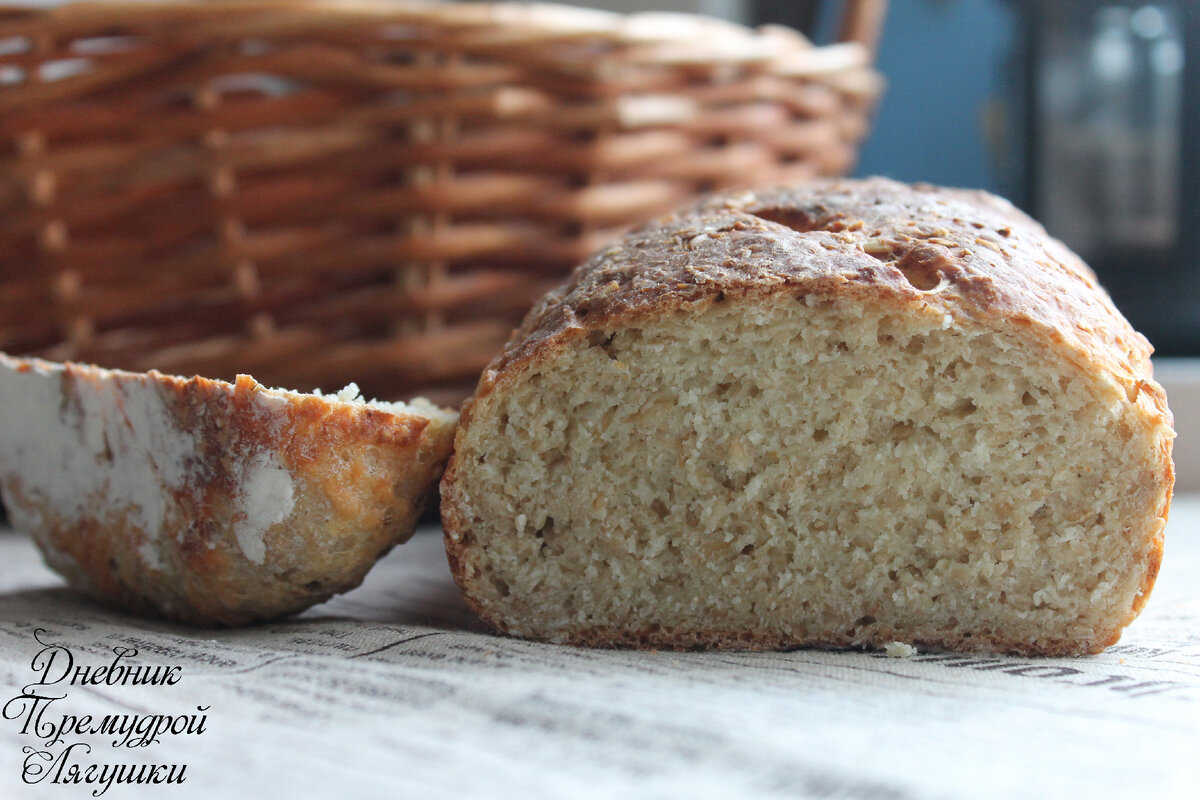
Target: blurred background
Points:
(1085, 113)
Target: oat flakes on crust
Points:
(967, 255)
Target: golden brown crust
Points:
(967, 254)
(264, 502)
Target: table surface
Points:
(396, 689)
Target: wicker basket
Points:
(316, 192)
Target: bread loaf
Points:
(209, 502)
(841, 414)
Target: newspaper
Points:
(396, 690)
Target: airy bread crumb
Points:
(818, 428)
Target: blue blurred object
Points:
(946, 62)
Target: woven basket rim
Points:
(317, 191)
(720, 40)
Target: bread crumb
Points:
(347, 394)
(899, 650)
(777, 469)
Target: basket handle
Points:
(862, 22)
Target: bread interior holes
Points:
(603, 340)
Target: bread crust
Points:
(208, 502)
(968, 255)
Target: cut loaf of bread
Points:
(204, 501)
(840, 414)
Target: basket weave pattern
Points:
(316, 193)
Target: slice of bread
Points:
(842, 414)
(204, 501)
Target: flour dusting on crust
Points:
(267, 499)
(83, 442)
